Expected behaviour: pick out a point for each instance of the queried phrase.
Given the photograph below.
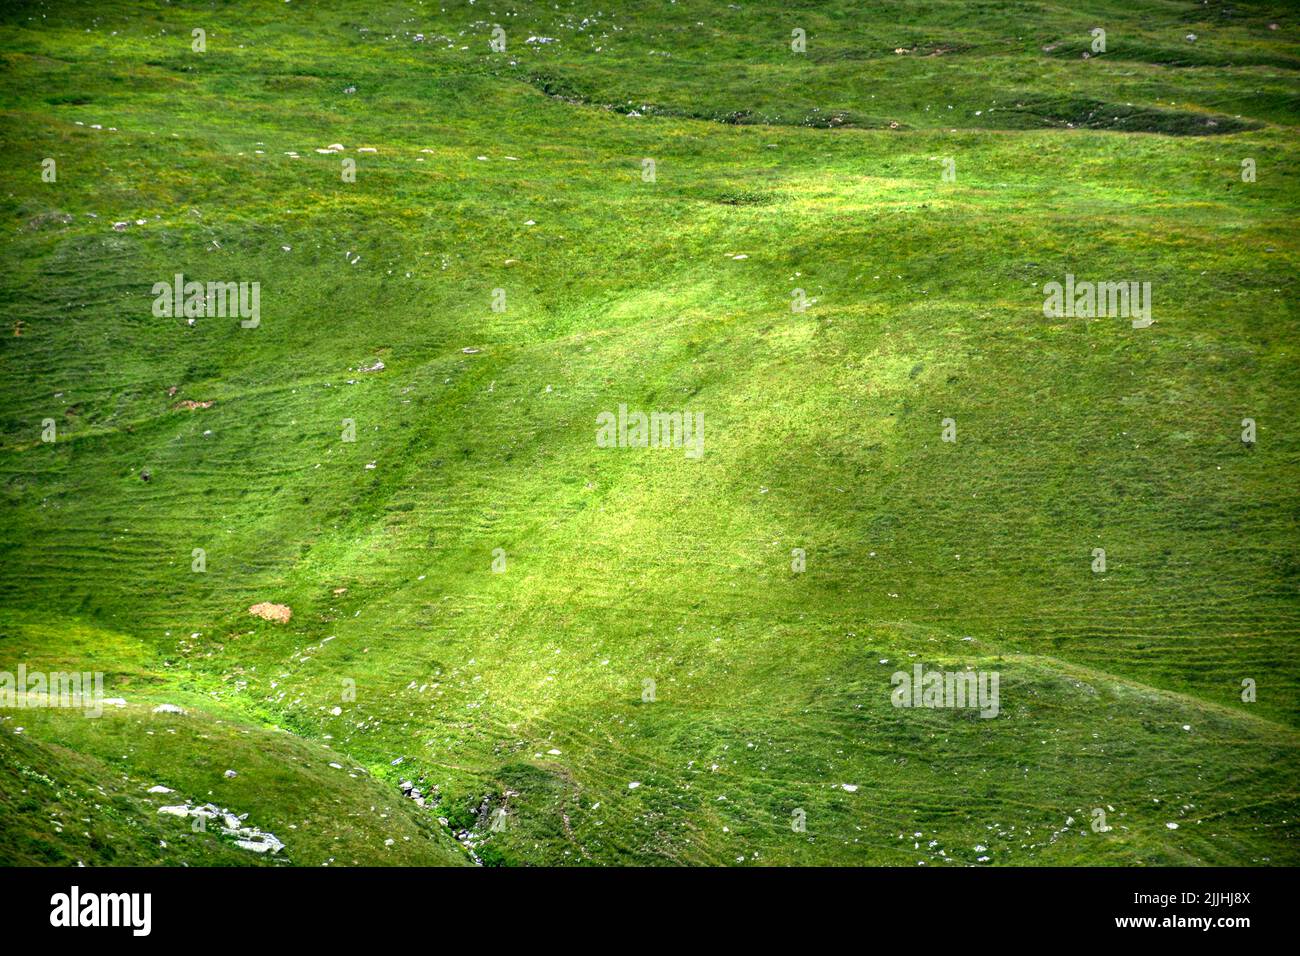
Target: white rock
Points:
(260, 842)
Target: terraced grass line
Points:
(586, 655)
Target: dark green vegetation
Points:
(522, 690)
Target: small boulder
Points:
(279, 613)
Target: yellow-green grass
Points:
(1120, 691)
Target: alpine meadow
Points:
(595, 433)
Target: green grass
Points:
(76, 787)
(1119, 690)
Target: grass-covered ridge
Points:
(522, 691)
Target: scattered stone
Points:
(247, 838)
(168, 709)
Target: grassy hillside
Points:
(409, 658)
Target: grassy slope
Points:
(75, 788)
(822, 427)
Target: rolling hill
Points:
(588, 655)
